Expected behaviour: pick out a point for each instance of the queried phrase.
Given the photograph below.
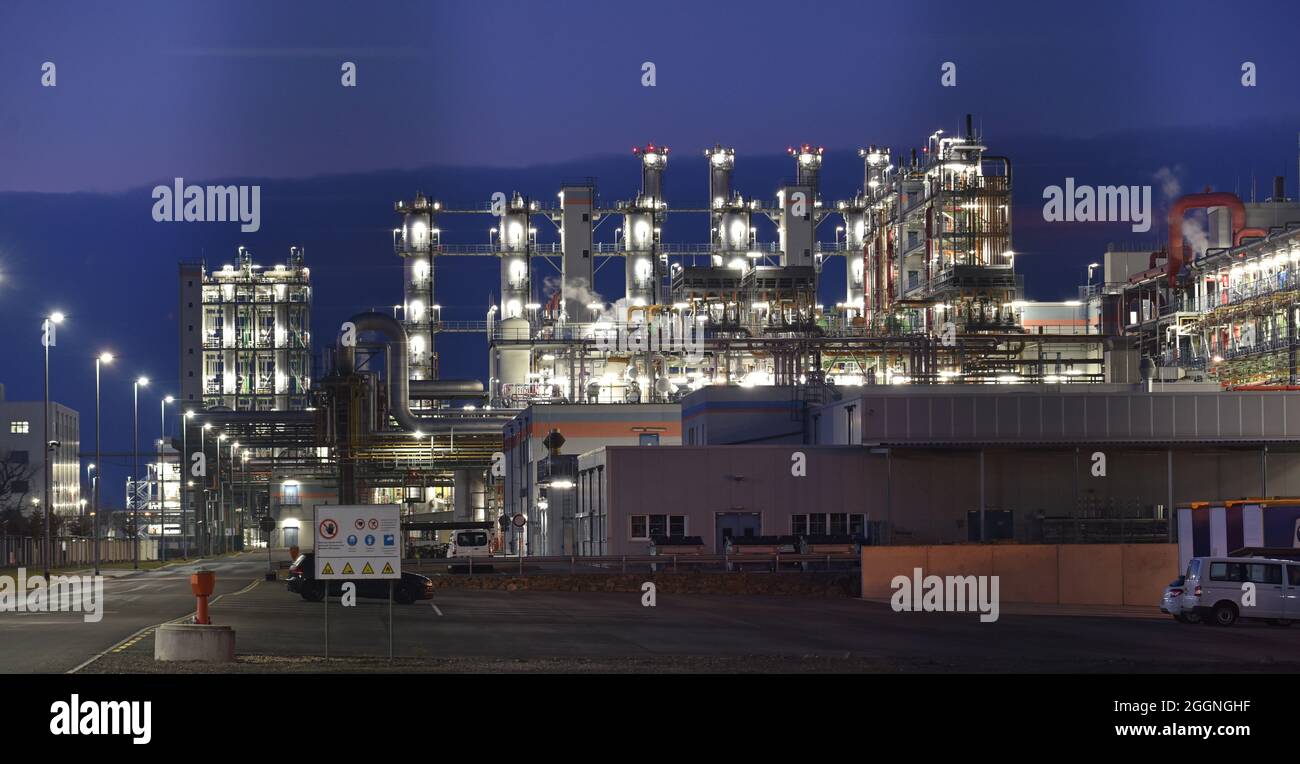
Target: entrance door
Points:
(734, 524)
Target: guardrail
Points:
(575, 564)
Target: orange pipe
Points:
(1248, 232)
(1198, 201)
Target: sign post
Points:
(358, 543)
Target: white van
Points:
(469, 543)
(1215, 589)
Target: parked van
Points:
(1214, 589)
(469, 543)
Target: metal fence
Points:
(607, 564)
(25, 551)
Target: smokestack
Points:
(970, 131)
(1279, 188)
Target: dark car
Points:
(302, 581)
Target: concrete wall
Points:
(1082, 574)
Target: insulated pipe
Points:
(1198, 201)
(1245, 233)
(398, 380)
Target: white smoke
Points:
(1170, 187)
(1195, 236)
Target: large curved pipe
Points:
(398, 380)
(1198, 201)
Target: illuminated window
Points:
(289, 494)
(19, 428)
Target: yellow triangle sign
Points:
(328, 571)
(388, 569)
(347, 568)
(369, 571)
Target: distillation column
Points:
(641, 220)
(514, 237)
(416, 243)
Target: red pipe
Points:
(1258, 233)
(1198, 201)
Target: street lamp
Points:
(47, 339)
(103, 358)
(221, 496)
(184, 494)
(162, 482)
(135, 472)
(203, 447)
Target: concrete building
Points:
(538, 481)
(245, 335)
(22, 450)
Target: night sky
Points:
(460, 99)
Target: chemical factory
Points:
(934, 403)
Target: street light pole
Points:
(184, 494)
(221, 496)
(162, 479)
(99, 460)
(47, 339)
(135, 472)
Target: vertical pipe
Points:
(982, 530)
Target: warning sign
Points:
(376, 553)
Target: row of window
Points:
(19, 427)
(646, 527)
(1254, 572)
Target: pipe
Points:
(398, 379)
(1174, 263)
(445, 389)
(1245, 233)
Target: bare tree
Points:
(15, 480)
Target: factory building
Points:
(23, 456)
(944, 464)
(245, 335)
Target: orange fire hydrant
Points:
(202, 583)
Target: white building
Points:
(245, 335)
(23, 454)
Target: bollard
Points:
(202, 582)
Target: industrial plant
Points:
(719, 352)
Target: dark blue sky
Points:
(454, 98)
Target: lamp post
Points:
(135, 472)
(221, 496)
(207, 532)
(99, 361)
(47, 339)
(185, 482)
(162, 479)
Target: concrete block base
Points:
(194, 642)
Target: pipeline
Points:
(398, 381)
(1198, 201)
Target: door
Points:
(735, 524)
(1291, 607)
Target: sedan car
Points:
(302, 581)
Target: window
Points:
(19, 428)
(799, 525)
(833, 524)
(17, 457)
(18, 487)
(645, 527)
(1294, 571)
(1227, 571)
(289, 494)
(1265, 573)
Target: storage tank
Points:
(513, 361)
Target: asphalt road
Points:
(57, 642)
(547, 625)
(466, 624)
